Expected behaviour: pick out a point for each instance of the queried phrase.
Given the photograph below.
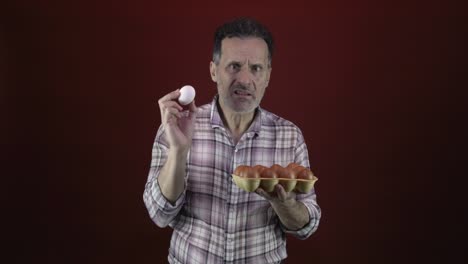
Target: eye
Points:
(256, 68)
(234, 66)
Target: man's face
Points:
(242, 74)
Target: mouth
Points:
(242, 93)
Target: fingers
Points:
(170, 104)
(170, 109)
(192, 107)
(169, 115)
(170, 96)
(192, 111)
(282, 194)
(279, 194)
(173, 111)
(263, 193)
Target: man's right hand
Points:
(179, 125)
(179, 128)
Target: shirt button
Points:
(235, 150)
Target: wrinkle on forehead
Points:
(253, 50)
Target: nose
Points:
(244, 76)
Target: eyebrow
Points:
(257, 64)
(240, 63)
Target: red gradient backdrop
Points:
(375, 89)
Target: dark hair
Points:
(241, 27)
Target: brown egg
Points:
(287, 178)
(276, 167)
(305, 174)
(282, 172)
(258, 170)
(292, 165)
(246, 178)
(268, 173)
(297, 169)
(269, 179)
(306, 181)
(252, 173)
(242, 171)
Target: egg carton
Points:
(268, 184)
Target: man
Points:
(190, 186)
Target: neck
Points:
(237, 123)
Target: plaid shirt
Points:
(214, 221)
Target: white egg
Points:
(187, 94)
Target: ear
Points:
(213, 71)
(268, 76)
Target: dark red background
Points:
(376, 88)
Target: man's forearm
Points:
(292, 214)
(171, 179)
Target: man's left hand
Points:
(292, 213)
(278, 196)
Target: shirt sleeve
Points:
(161, 211)
(309, 199)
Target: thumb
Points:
(193, 109)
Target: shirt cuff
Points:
(164, 205)
(305, 231)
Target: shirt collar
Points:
(217, 122)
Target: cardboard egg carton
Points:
(292, 178)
